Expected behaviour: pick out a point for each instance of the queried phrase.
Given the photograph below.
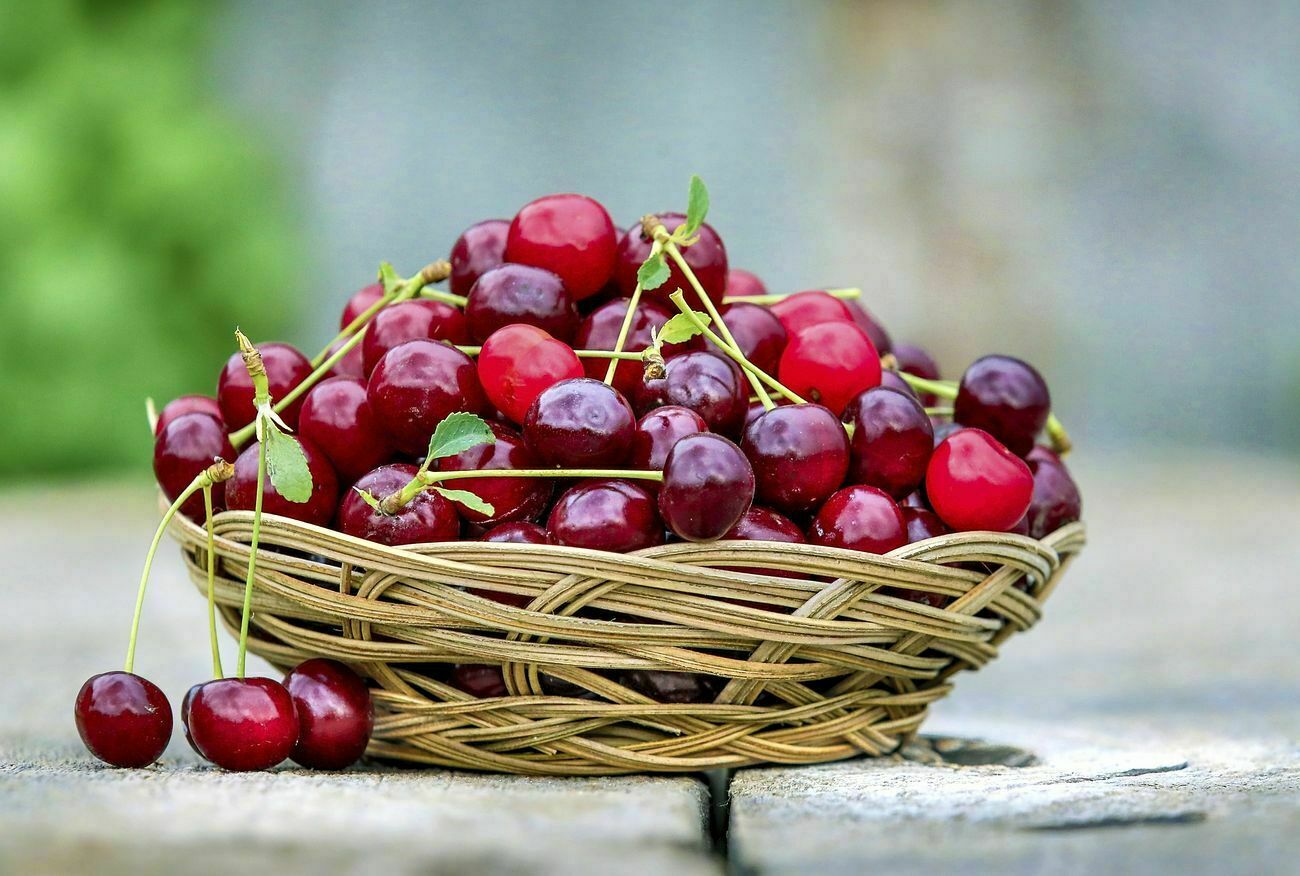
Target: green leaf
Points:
(653, 272)
(467, 499)
(368, 497)
(680, 328)
(697, 206)
(286, 465)
(457, 433)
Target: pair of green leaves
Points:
(654, 271)
(456, 433)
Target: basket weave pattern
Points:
(821, 666)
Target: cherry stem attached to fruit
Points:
(765, 300)
(262, 404)
(217, 671)
(626, 327)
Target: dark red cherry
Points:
(185, 715)
(123, 719)
(285, 369)
(863, 319)
(606, 515)
(519, 294)
(599, 331)
(1056, 500)
(517, 532)
(478, 250)
(241, 490)
(915, 499)
(673, 687)
(187, 404)
(799, 453)
(570, 235)
(742, 283)
(919, 363)
(335, 715)
(974, 483)
(364, 299)
(1006, 398)
(942, 429)
(426, 518)
(892, 440)
(859, 518)
(802, 309)
(351, 365)
(1042, 453)
(336, 417)
(922, 523)
(185, 447)
(659, 430)
(510, 498)
(764, 524)
(708, 484)
(891, 380)
(518, 362)
(580, 423)
(707, 259)
(416, 385)
(409, 321)
(758, 333)
(707, 384)
(243, 724)
(830, 363)
(479, 680)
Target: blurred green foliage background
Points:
(139, 223)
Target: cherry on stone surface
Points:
(870, 326)
(364, 299)
(479, 249)
(1056, 500)
(241, 490)
(814, 307)
(658, 431)
(917, 362)
(580, 423)
(184, 447)
(707, 258)
(799, 453)
(336, 417)
(606, 515)
(428, 517)
(570, 235)
(416, 385)
(335, 714)
(185, 715)
(519, 294)
(742, 283)
(510, 498)
(673, 687)
(973, 482)
(243, 724)
(409, 321)
(758, 333)
(859, 518)
(187, 404)
(285, 369)
(830, 363)
(892, 441)
(1005, 397)
(479, 680)
(124, 719)
(708, 484)
(518, 362)
(707, 384)
(599, 331)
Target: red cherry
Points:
(1056, 500)
(708, 483)
(243, 724)
(511, 294)
(185, 447)
(917, 362)
(570, 235)
(580, 423)
(409, 321)
(599, 331)
(764, 524)
(241, 489)
(285, 369)
(365, 298)
(1007, 398)
(892, 440)
(870, 327)
(659, 430)
(478, 250)
(518, 362)
(800, 454)
(707, 258)
(859, 518)
(814, 307)
(351, 365)
(891, 380)
(123, 719)
(830, 363)
(758, 333)
(336, 417)
(922, 523)
(416, 385)
(975, 483)
(606, 515)
(742, 283)
(516, 532)
(426, 518)
(510, 498)
(707, 384)
(335, 715)
(187, 404)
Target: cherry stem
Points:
(264, 420)
(626, 327)
(1060, 439)
(445, 297)
(353, 327)
(433, 478)
(217, 671)
(765, 300)
(938, 412)
(581, 354)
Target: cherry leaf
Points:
(697, 206)
(681, 328)
(286, 465)
(457, 433)
(466, 499)
(653, 272)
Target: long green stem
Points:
(445, 297)
(353, 327)
(627, 321)
(252, 559)
(217, 671)
(774, 298)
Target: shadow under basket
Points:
(816, 655)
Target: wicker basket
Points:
(821, 667)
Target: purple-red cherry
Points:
(364, 299)
(409, 321)
(416, 385)
(830, 362)
(511, 294)
(859, 518)
(428, 517)
(336, 417)
(799, 453)
(243, 724)
(351, 365)
(606, 515)
(478, 250)
(764, 524)
(974, 482)
(570, 235)
(917, 362)
(1006, 398)
(187, 404)
(892, 441)
(870, 326)
(707, 258)
(758, 333)
(241, 490)
(184, 447)
(599, 331)
(518, 362)
(708, 484)
(1056, 500)
(517, 532)
(511, 498)
(707, 384)
(659, 430)
(335, 714)
(123, 719)
(285, 369)
(580, 423)
(742, 284)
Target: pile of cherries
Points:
(782, 418)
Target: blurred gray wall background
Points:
(1108, 189)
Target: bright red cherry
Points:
(742, 283)
(187, 404)
(707, 384)
(336, 417)
(800, 454)
(802, 309)
(335, 714)
(872, 328)
(659, 430)
(1006, 398)
(707, 258)
(409, 321)
(511, 294)
(830, 363)
(580, 423)
(478, 250)
(184, 447)
(123, 719)
(919, 363)
(861, 519)
(479, 680)
(758, 333)
(974, 483)
(708, 484)
(518, 362)
(243, 724)
(606, 515)
(364, 299)
(892, 440)
(1056, 500)
(673, 687)
(241, 490)
(510, 498)
(426, 518)
(416, 385)
(599, 331)
(571, 235)
(285, 369)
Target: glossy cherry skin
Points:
(570, 235)
(187, 404)
(241, 490)
(599, 331)
(708, 484)
(891, 380)
(351, 365)
(518, 532)
(673, 687)
(335, 714)
(742, 283)
(758, 333)
(426, 518)
(918, 362)
(859, 518)
(870, 326)
(606, 515)
(707, 384)
(800, 454)
(511, 294)
(479, 249)
(184, 447)
(892, 441)
(764, 524)
(185, 715)
(409, 321)
(1056, 500)
(479, 680)
(580, 423)
(518, 362)
(974, 483)
(707, 259)
(336, 417)
(1042, 453)
(510, 498)
(243, 724)
(416, 385)
(658, 431)
(802, 309)
(1006, 398)
(830, 363)
(922, 523)
(364, 299)
(123, 719)
(285, 369)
